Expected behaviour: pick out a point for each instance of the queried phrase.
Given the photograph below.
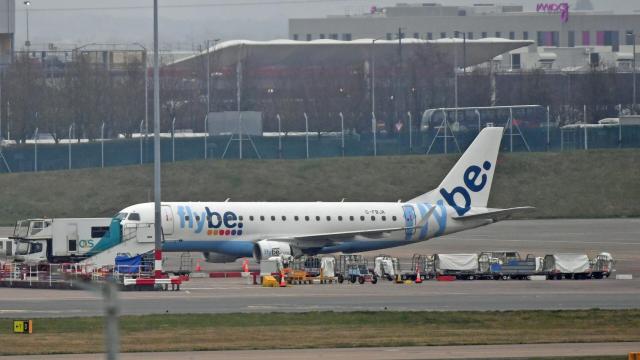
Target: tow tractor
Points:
(354, 268)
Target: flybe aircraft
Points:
(225, 231)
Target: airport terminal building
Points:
(564, 35)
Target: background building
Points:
(7, 29)
(590, 37)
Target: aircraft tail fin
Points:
(468, 184)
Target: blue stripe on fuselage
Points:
(230, 247)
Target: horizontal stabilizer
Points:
(494, 214)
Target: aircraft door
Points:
(167, 220)
(72, 238)
(409, 221)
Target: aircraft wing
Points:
(494, 214)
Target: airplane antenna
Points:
(227, 200)
(342, 200)
(399, 201)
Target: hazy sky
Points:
(187, 23)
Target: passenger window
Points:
(306, 218)
(328, 218)
(240, 217)
(339, 218)
(394, 218)
(197, 218)
(384, 218)
(284, 218)
(251, 218)
(373, 218)
(351, 218)
(361, 218)
(317, 218)
(186, 218)
(296, 218)
(273, 218)
(261, 218)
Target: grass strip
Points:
(323, 330)
(564, 184)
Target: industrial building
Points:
(565, 36)
(7, 30)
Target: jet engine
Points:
(265, 249)
(214, 257)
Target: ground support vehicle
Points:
(386, 267)
(354, 268)
(420, 264)
(507, 265)
(63, 240)
(602, 266)
(462, 266)
(567, 266)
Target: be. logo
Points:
(474, 181)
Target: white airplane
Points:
(225, 231)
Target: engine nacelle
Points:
(214, 257)
(265, 249)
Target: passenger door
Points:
(72, 238)
(167, 220)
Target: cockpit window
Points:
(121, 216)
(134, 217)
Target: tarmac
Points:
(540, 237)
(380, 353)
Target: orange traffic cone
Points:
(245, 266)
(283, 283)
(418, 278)
(198, 267)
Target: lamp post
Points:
(27, 4)
(373, 94)
(633, 36)
(215, 41)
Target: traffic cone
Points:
(245, 266)
(198, 267)
(283, 283)
(418, 278)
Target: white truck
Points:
(39, 241)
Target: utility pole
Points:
(156, 146)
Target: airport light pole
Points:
(633, 36)
(27, 4)
(306, 132)
(373, 94)
(35, 150)
(156, 147)
(342, 131)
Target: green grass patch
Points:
(324, 330)
(598, 183)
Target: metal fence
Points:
(42, 157)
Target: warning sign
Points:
(23, 326)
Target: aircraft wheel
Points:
(360, 280)
(340, 279)
(374, 280)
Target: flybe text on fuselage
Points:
(226, 223)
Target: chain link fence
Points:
(43, 157)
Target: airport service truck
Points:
(39, 241)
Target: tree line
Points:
(86, 94)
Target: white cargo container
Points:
(463, 266)
(567, 266)
(58, 240)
